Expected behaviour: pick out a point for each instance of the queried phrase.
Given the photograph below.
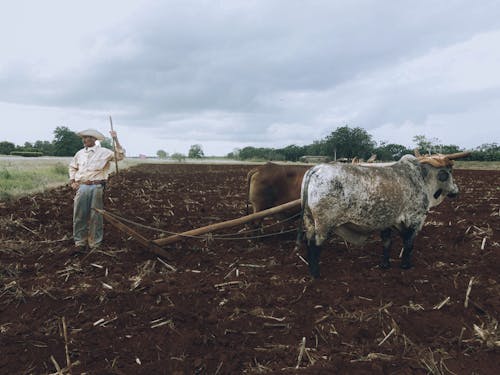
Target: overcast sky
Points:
(230, 74)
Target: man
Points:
(88, 172)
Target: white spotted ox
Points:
(354, 201)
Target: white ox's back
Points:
(385, 164)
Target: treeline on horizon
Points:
(65, 143)
(344, 142)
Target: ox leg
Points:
(300, 237)
(313, 253)
(300, 230)
(408, 237)
(256, 226)
(387, 242)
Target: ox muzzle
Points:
(451, 194)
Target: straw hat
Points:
(91, 133)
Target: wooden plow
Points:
(155, 246)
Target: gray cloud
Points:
(247, 71)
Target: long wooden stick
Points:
(114, 146)
(228, 224)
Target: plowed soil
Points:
(232, 306)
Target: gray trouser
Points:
(87, 223)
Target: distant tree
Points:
(447, 149)
(28, 146)
(488, 147)
(317, 148)
(349, 142)
(248, 152)
(423, 144)
(259, 153)
(275, 155)
(391, 151)
(486, 152)
(161, 154)
(178, 156)
(45, 147)
(235, 154)
(426, 145)
(195, 152)
(291, 152)
(6, 148)
(66, 142)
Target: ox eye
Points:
(443, 175)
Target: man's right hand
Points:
(74, 185)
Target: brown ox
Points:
(273, 184)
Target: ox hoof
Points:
(406, 265)
(385, 265)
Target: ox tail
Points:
(303, 197)
(249, 178)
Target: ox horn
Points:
(417, 153)
(458, 155)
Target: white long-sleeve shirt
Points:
(93, 163)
